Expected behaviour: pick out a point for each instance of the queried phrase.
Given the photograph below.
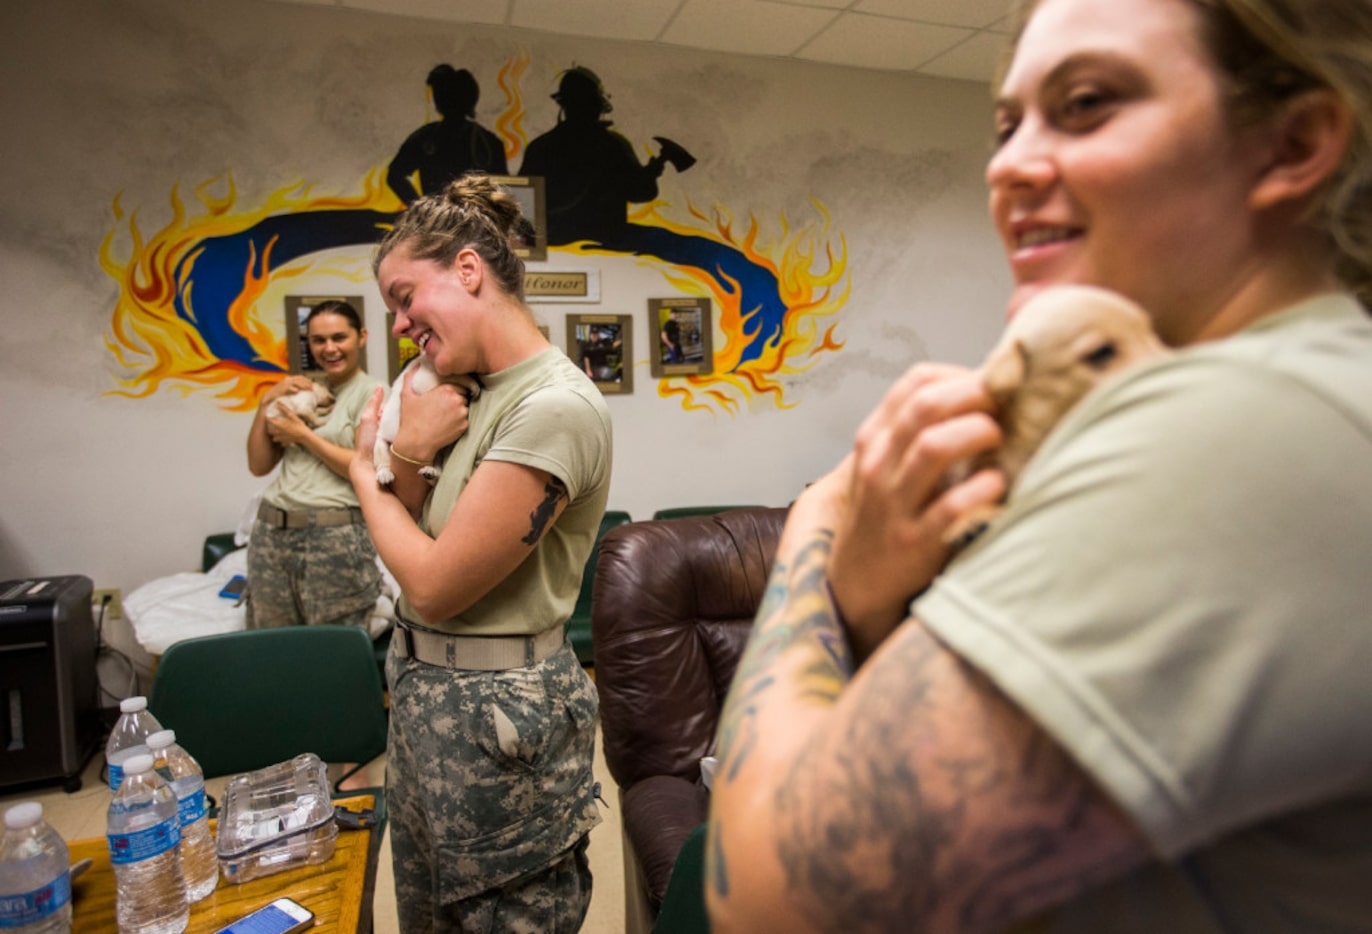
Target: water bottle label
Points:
(116, 776)
(192, 807)
(128, 848)
(19, 910)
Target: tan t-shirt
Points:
(542, 413)
(1178, 593)
(303, 480)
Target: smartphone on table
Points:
(283, 916)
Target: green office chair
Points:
(244, 700)
(579, 623)
(683, 904)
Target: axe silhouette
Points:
(673, 153)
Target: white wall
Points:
(129, 100)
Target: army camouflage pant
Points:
(491, 796)
(300, 577)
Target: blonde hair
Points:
(472, 211)
(1268, 51)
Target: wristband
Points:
(409, 460)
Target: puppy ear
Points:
(1310, 139)
(1004, 373)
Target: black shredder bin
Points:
(48, 703)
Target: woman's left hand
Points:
(890, 501)
(286, 427)
(430, 421)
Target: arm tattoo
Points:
(796, 612)
(553, 491)
(917, 829)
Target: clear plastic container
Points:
(144, 833)
(276, 818)
(129, 737)
(199, 858)
(35, 874)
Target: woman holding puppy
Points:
(310, 559)
(1139, 701)
(488, 769)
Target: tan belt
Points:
(307, 518)
(474, 653)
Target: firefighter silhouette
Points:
(448, 148)
(590, 172)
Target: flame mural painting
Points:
(188, 316)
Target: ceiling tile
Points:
(755, 27)
(879, 42)
(607, 19)
(827, 4)
(456, 11)
(974, 13)
(974, 60)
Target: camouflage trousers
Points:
(299, 577)
(491, 796)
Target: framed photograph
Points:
(680, 329)
(602, 345)
(298, 308)
(528, 191)
(399, 351)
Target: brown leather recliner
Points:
(673, 606)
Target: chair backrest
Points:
(612, 519)
(681, 512)
(674, 606)
(244, 700)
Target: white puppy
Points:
(312, 405)
(425, 378)
(1064, 342)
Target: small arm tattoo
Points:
(538, 519)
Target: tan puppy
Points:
(1064, 342)
(312, 405)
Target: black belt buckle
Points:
(408, 638)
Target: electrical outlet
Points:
(114, 609)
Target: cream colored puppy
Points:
(312, 405)
(1064, 342)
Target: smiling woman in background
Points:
(310, 559)
(1139, 702)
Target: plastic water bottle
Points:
(144, 834)
(129, 736)
(199, 857)
(35, 874)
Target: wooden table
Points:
(338, 891)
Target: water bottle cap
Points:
(133, 704)
(161, 739)
(137, 764)
(23, 815)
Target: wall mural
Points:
(188, 316)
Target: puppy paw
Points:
(430, 473)
(384, 477)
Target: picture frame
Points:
(528, 190)
(689, 320)
(603, 346)
(399, 352)
(298, 308)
